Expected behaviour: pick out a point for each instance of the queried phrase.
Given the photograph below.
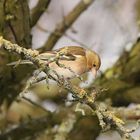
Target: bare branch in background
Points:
(36, 12)
(35, 104)
(65, 34)
(66, 23)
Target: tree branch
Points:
(66, 23)
(36, 12)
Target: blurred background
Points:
(110, 27)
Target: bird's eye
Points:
(94, 65)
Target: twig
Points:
(65, 34)
(33, 80)
(108, 121)
(38, 11)
(35, 104)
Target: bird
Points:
(73, 60)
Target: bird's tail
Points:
(19, 62)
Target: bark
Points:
(38, 11)
(14, 26)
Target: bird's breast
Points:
(72, 68)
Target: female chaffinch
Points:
(73, 60)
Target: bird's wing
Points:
(72, 50)
(69, 53)
(46, 55)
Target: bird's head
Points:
(93, 61)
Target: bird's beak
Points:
(94, 71)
